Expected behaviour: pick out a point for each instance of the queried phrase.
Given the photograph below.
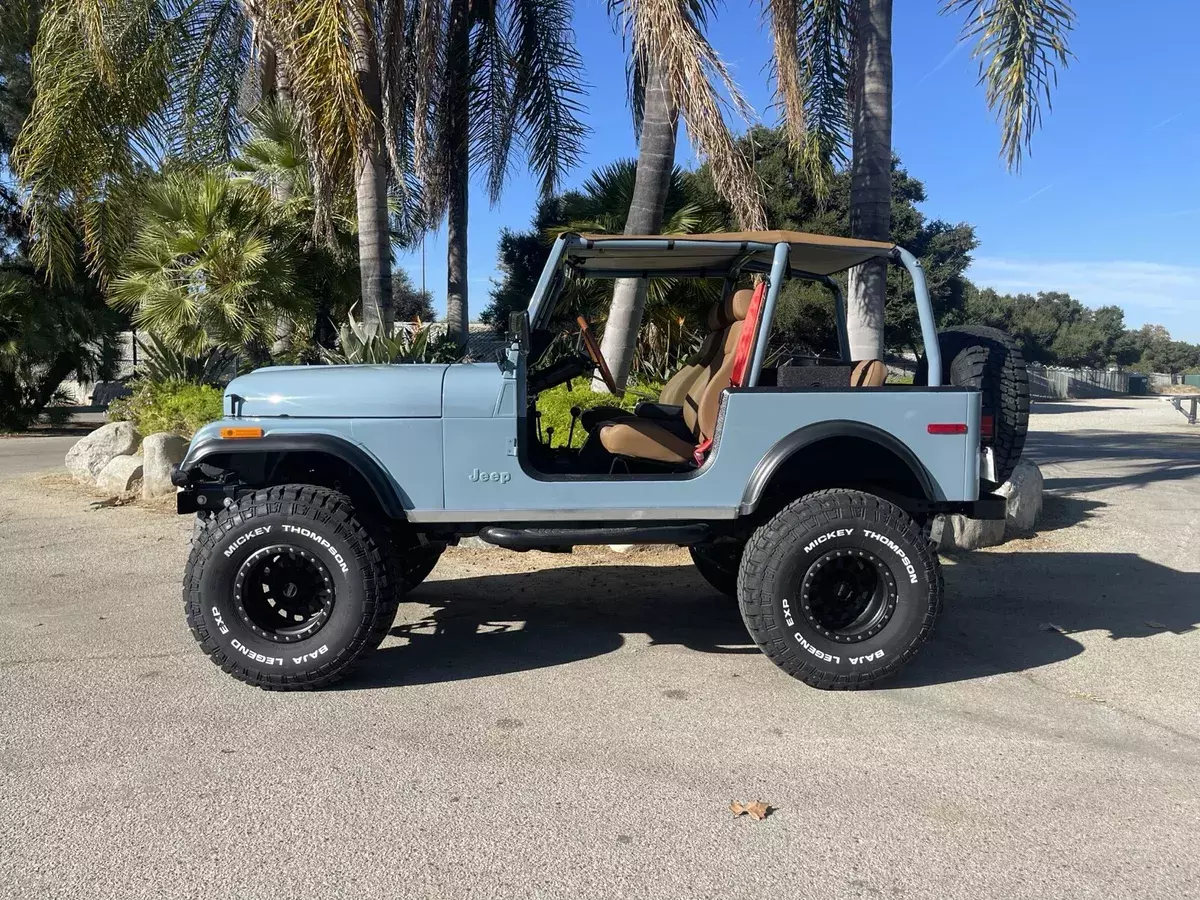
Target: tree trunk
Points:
(871, 175)
(458, 98)
(273, 88)
(656, 161)
(370, 182)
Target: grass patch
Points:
(555, 407)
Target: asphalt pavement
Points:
(576, 726)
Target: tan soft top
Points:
(818, 254)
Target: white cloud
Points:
(1158, 293)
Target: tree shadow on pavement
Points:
(495, 624)
(1053, 407)
(1004, 612)
(1010, 612)
(1117, 458)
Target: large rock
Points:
(87, 459)
(121, 475)
(961, 533)
(1023, 495)
(159, 452)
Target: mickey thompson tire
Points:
(991, 362)
(286, 589)
(840, 589)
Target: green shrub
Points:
(174, 406)
(555, 407)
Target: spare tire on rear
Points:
(990, 361)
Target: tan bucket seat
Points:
(642, 438)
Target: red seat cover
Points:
(741, 355)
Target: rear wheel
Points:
(287, 589)
(840, 589)
(991, 362)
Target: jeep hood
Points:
(344, 392)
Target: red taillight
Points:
(987, 428)
(947, 428)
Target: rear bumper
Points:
(988, 506)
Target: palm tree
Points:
(674, 74)
(1020, 44)
(121, 84)
(212, 265)
(490, 74)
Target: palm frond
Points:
(813, 71)
(1020, 44)
(491, 102)
(428, 60)
(547, 87)
(663, 31)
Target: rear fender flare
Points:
(793, 443)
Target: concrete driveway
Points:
(578, 731)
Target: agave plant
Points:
(367, 343)
(163, 363)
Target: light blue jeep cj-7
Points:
(806, 487)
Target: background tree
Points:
(675, 73)
(795, 201)
(1019, 43)
(213, 265)
(491, 76)
(411, 304)
(601, 205)
(121, 84)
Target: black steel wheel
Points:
(287, 589)
(283, 593)
(840, 589)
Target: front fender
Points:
(208, 444)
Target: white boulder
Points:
(961, 533)
(88, 457)
(159, 452)
(1023, 495)
(121, 475)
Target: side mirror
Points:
(518, 330)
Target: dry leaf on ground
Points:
(755, 810)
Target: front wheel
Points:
(287, 590)
(840, 589)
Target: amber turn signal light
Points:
(241, 433)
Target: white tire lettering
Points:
(238, 541)
(313, 536)
(828, 536)
(308, 657)
(257, 657)
(895, 548)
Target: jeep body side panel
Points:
(485, 480)
(408, 391)
(381, 449)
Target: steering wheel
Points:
(593, 349)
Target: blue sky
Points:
(1106, 207)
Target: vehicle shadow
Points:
(1012, 612)
(497, 624)
(1004, 612)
